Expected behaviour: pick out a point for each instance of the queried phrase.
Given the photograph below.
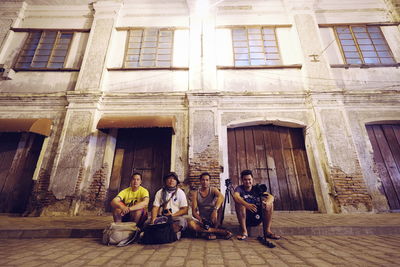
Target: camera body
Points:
(228, 182)
(206, 224)
(259, 189)
(166, 211)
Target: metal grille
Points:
(149, 48)
(45, 50)
(255, 46)
(364, 45)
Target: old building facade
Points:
(303, 92)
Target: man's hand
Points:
(125, 210)
(251, 207)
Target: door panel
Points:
(19, 153)
(385, 141)
(143, 150)
(277, 157)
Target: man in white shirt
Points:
(171, 201)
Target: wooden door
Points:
(143, 150)
(277, 157)
(385, 140)
(19, 153)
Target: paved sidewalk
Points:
(299, 251)
(285, 223)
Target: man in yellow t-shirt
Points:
(130, 205)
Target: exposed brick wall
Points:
(350, 190)
(206, 161)
(94, 198)
(97, 192)
(41, 196)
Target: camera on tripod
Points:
(259, 189)
(228, 182)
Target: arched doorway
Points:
(277, 157)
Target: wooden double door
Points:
(385, 140)
(143, 150)
(19, 153)
(277, 157)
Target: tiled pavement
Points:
(338, 242)
(297, 251)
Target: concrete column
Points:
(94, 61)
(11, 14)
(315, 69)
(202, 63)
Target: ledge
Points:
(40, 69)
(294, 66)
(364, 66)
(150, 68)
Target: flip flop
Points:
(272, 236)
(228, 236)
(242, 237)
(211, 237)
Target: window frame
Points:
(261, 28)
(155, 66)
(59, 32)
(359, 51)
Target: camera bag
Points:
(161, 232)
(120, 234)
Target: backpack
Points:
(161, 232)
(120, 234)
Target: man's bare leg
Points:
(138, 216)
(241, 216)
(117, 215)
(268, 209)
(195, 226)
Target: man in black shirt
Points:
(248, 207)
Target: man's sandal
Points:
(228, 235)
(272, 236)
(242, 237)
(211, 237)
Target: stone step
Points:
(253, 231)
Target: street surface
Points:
(367, 250)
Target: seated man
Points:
(171, 201)
(248, 207)
(130, 205)
(206, 201)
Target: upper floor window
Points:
(255, 46)
(363, 45)
(44, 50)
(148, 48)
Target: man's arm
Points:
(238, 199)
(195, 211)
(154, 213)
(220, 198)
(182, 211)
(117, 203)
(140, 205)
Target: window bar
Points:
(357, 45)
(37, 49)
(50, 60)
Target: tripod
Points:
(263, 239)
(228, 195)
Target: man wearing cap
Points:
(171, 201)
